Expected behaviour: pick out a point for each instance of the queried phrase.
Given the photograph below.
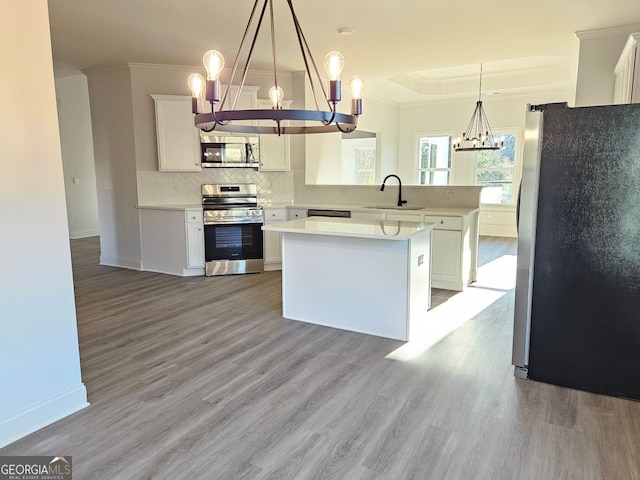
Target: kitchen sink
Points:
(393, 207)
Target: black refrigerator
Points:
(577, 299)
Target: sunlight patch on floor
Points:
(494, 280)
(499, 274)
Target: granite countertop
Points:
(349, 227)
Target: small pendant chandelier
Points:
(230, 120)
(478, 135)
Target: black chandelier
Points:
(223, 119)
(478, 135)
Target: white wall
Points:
(39, 358)
(115, 161)
(323, 158)
(506, 112)
(78, 162)
(599, 53)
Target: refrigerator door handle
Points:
(526, 221)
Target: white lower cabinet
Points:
(451, 258)
(172, 240)
(195, 239)
(445, 258)
(273, 240)
(451, 252)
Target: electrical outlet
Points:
(76, 180)
(451, 193)
(344, 192)
(176, 184)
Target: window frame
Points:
(416, 156)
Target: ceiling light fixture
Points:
(230, 120)
(478, 135)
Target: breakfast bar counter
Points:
(365, 276)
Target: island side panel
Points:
(356, 284)
(419, 281)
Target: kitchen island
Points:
(365, 276)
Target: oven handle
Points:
(234, 222)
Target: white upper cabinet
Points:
(274, 149)
(178, 139)
(247, 100)
(627, 72)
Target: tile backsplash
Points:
(170, 188)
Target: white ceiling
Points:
(407, 51)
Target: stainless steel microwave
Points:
(229, 151)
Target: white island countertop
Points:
(350, 227)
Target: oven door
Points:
(231, 248)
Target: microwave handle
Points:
(251, 154)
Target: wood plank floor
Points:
(201, 378)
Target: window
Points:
(365, 165)
(495, 170)
(434, 160)
(359, 158)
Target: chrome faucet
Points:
(400, 201)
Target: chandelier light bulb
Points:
(333, 65)
(196, 84)
(356, 84)
(222, 116)
(214, 63)
(276, 94)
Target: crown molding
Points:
(496, 98)
(378, 99)
(608, 32)
(191, 68)
(111, 68)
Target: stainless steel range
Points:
(232, 229)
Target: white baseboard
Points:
(186, 272)
(498, 230)
(192, 272)
(42, 414)
(120, 262)
(270, 267)
(83, 234)
(446, 284)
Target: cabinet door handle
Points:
(441, 222)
